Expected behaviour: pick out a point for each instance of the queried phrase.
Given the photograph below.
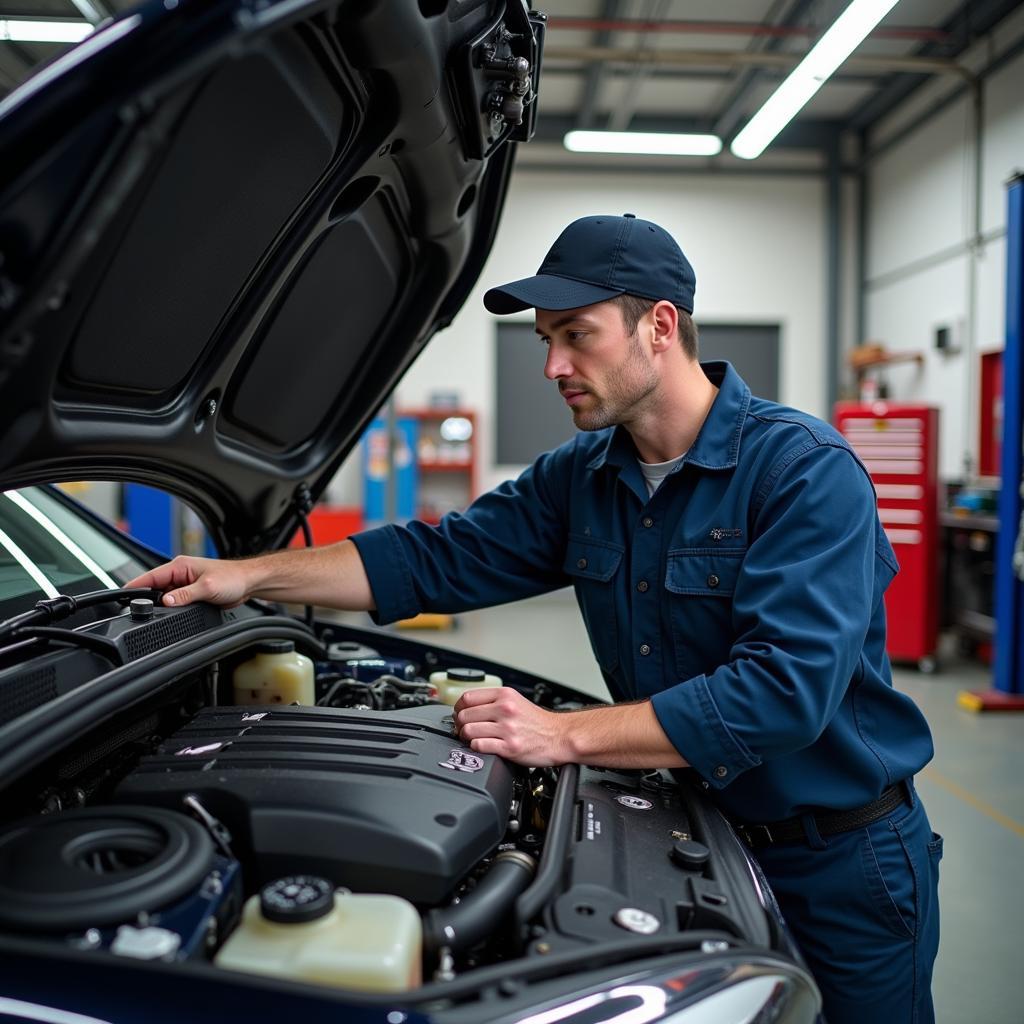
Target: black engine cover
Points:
(650, 857)
(375, 801)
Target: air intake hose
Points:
(464, 924)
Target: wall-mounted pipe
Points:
(975, 250)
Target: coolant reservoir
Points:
(276, 674)
(300, 928)
(451, 685)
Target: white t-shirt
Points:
(655, 472)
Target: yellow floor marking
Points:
(969, 798)
(970, 701)
(427, 620)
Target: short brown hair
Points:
(634, 309)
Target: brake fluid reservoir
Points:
(300, 928)
(451, 685)
(276, 674)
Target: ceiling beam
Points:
(732, 28)
(1009, 55)
(734, 108)
(20, 53)
(94, 11)
(746, 59)
(566, 69)
(8, 80)
(625, 107)
(973, 19)
(595, 73)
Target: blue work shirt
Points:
(744, 598)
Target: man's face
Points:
(603, 373)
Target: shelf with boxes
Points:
(435, 464)
(446, 460)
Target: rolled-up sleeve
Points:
(507, 545)
(804, 596)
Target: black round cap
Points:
(297, 899)
(466, 675)
(688, 853)
(275, 646)
(140, 608)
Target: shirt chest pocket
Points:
(594, 566)
(699, 587)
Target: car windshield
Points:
(49, 547)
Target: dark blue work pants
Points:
(863, 907)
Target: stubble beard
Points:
(627, 388)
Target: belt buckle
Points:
(755, 835)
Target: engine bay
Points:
(353, 841)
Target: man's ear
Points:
(665, 320)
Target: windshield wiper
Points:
(53, 609)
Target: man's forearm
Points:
(332, 576)
(621, 736)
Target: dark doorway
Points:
(532, 418)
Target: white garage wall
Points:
(757, 245)
(922, 269)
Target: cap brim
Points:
(545, 291)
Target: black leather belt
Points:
(828, 823)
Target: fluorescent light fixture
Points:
(844, 36)
(657, 143)
(24, 30)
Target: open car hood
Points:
(227, 229)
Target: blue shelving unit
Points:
(151, 517)
(1009, 590)
(376, 467)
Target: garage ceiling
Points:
(682, 65)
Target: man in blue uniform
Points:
(729, 564)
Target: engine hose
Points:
(464, 924)
(561, 822)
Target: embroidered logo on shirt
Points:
(721, 533)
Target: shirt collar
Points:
(718, 443)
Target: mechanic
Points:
(729, 563)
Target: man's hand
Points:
(189, 579)
(332, 576)
(500, 720)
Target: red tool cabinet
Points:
(898, 444)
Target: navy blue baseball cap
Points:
(597, 258)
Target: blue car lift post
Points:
(1008, 682)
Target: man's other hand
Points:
(500, 720)
(188, 579)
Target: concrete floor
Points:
(972, 791)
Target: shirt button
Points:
(642, 586)
(645, 649)
(647, 521)
(581, 564)
(721, 771)
(713, 581)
